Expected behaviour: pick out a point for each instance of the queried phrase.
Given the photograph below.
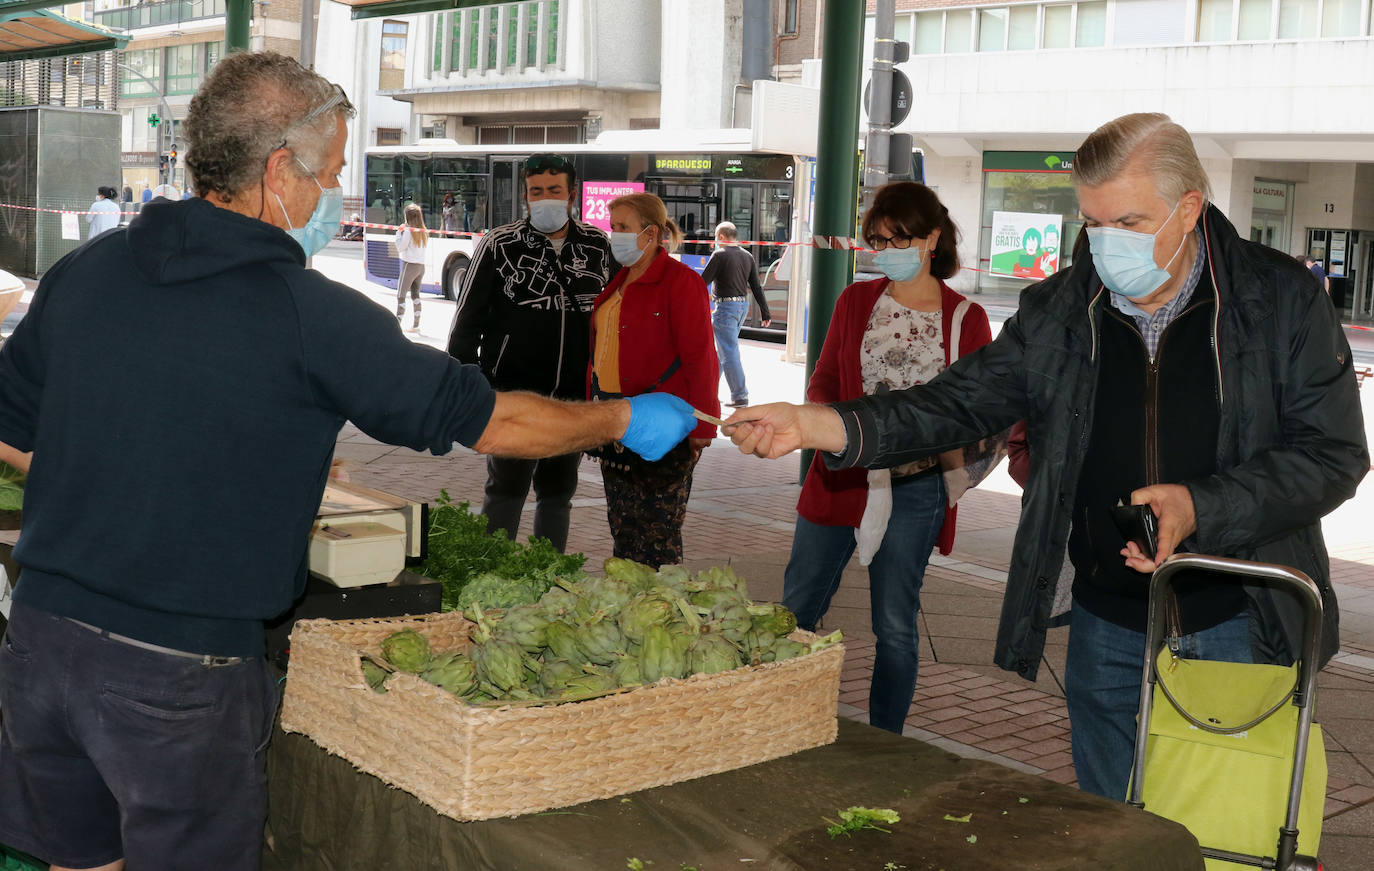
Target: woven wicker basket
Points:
(473, 763)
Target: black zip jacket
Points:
(1290, 447)
(524, 312)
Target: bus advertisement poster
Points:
(597, 197)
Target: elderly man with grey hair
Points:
(1175, 365)
(181, 384)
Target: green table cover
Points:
(327, 815)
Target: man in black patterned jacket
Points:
(524, 316)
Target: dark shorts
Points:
(108, 750)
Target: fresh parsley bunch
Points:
(501, 572)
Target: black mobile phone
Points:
(1137, 523)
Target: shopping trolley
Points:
(1229, 750)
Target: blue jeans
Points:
(819, 556)
(1104, 670)
(726, 322)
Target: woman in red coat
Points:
(885, 334)
(651, 330)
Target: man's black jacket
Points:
(524, 311)
(1291, 445)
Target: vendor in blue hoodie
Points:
(181, 383)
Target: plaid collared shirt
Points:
(1152, 326)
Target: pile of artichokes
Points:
(594, 636)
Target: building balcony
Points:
(158, 14)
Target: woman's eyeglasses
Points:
(879, 243)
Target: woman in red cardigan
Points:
(651, 330)
(885, 334)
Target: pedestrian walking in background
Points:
(1316, 269)
(651, 333)
(104, 212)
(886, 334)
(1177, 365)
(137, 701)
(411, 246)
(733, 274)
(524, 316)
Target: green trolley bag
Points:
(1229, 749)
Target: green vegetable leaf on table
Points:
(856, 818)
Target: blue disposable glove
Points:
(658, 421)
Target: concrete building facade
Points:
(1271, 90)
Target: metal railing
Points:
(157, 13)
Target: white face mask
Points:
(625, 248)
(548, 216)
(1125, 259)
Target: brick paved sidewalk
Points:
(742, 512)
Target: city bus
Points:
(702, 181)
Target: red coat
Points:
(664, 316)
(837, 498)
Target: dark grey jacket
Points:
(1291, 446)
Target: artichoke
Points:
(734, 623)
(599, 640)
(774, 618)
(408, 650)
(643, 611)
(637, 575)
(593, 681)
(786, 648)
(500, 663)
(562, 642)
(716, 599)
(626, 670)
(452, 672)
(758, 645)
(555, 674)
(375, 676)
(527, 626)
(712, 652)
(663, 654)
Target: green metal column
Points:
(837, 179)
(237, 14)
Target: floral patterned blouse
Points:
(901, 347)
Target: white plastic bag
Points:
(877, 512)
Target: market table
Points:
(325, 814)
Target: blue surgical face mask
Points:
(625, 247)
(323, 223)
(548, 216)
(1125, 259)
(900, 264)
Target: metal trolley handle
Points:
(1309, 594)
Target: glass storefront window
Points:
(1029, 191)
